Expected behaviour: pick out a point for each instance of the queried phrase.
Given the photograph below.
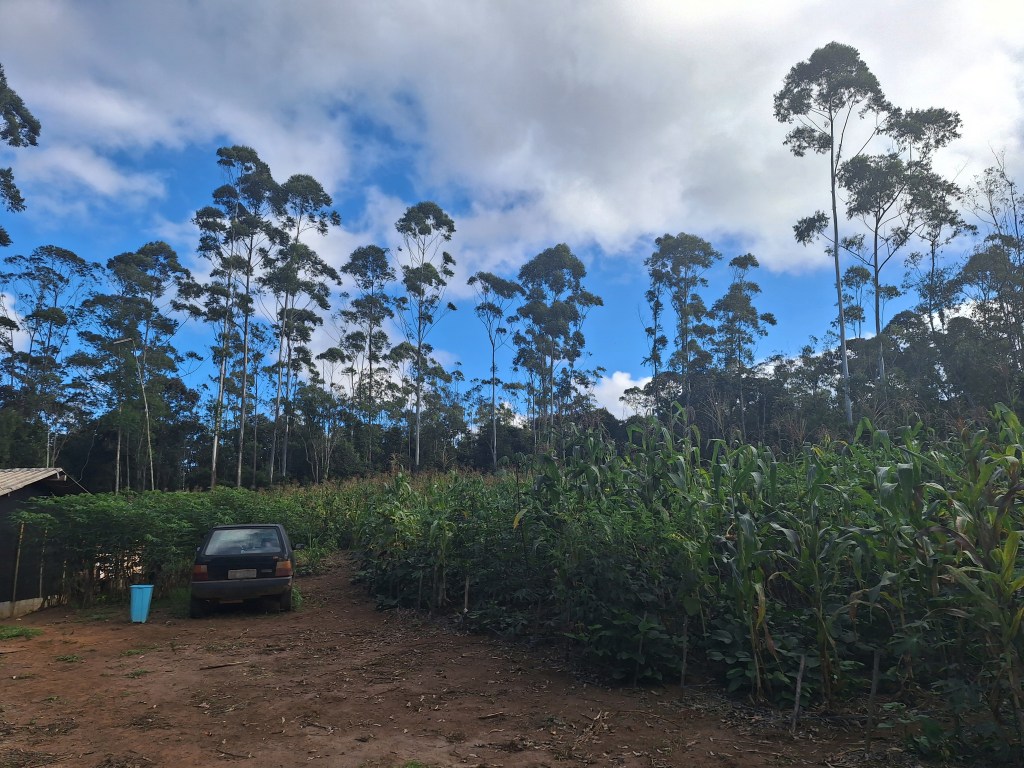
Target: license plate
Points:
(242, 573)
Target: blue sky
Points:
(601, 124)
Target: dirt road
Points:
(338, 683)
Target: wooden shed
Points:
(28, 580)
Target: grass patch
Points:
(135, 674)
(175, 602)
(100, 613)
(136, 651)
(7, 632)
(70, 658)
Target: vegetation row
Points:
(885, 573)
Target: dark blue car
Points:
(237, 563)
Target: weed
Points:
(175, 602)
(100, 613)
(136, 651)
(70, 658)
(8, 632)
(135, 674)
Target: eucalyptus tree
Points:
(237, 234)
(128, 348)
(261, 348)
(891, 194)
(739, 327)
(18, 128)
(856, 279)
(367, 313)
(495, 296)
(319, 426)
(995, 200)
(878, 187)
(993, 276)
(551, 340)
(299, 280)
(677, 271)
(49, 287)
(942, 223)
(426, 269)
(991, 282)
(444, 422)
(821, 96)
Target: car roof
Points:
(246, 525)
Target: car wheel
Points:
(196, 608)
(285, 602)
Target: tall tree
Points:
(942, 223)
(677, 270)
(237, 234)
(300, 281)
(821, 96)
(993, 276)
(367, 313)
(426, 270)
(739, 327)
(494, 301)
(18, 128)
(49, 287)
(890, 194)
(129, 350)
(551, 340)
(319, 427)
(856, 279)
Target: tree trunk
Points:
(243, 404)
(280, 382)
(847, 402)
(494, 412)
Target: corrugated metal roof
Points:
(12, 480)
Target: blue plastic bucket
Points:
(141, 595)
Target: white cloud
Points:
(69, 171)
(603, 124)
(610, 120)
(610, 388)
(181, 235)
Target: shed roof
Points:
(12, 480)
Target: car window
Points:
(238, 541)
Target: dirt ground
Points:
(338, 683)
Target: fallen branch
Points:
(229, 664)
(232, 754)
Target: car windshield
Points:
(240, 541)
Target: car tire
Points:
(196, 608)
(284, 603)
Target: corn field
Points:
(884, 574)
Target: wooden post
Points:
(871, 704)
(42, 564)
(17, 565)
(796, 702)
(686, 648)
